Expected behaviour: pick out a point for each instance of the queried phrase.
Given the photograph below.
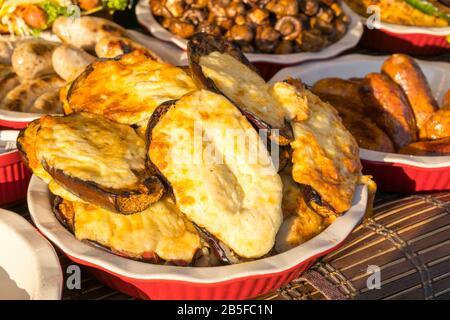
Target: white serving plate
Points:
(40, 206)
(356, 65)
(29, 266)
(354, 33)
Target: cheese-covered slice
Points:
(160, 229)
(243, 86)
(126, 89)
(325, 155)
(221, 174)
(301, 223)
(92, 148)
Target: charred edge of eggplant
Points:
(109, 199)
(312, 196)
(202, 44)
(20, 147)
(154, 260)
(75, 83)
(59, 216)
(218, 250)
(159, 113)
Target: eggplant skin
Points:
(202, 44)
(316, 203)
(120, 201)
(64, 212)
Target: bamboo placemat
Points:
(399, 213)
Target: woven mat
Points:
(388, 208)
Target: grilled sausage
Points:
(32, 59)
(404, 71)
(68, 62)
(367, 134)
(438, 125)
(8, 80)
(48, 103)
(390, 108)
(6, 50)
(85, 31)
(112, 46)
(347, 89)
(22, 97)
(439, 147)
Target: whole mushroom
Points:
(258, 17)
(266, 38)
(283, 7)
(240, 34)
(289, 27)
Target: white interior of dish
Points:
(355, 65)
(355, 30)
(29, 266)
(40, 206)
(398, 28)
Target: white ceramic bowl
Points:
(145, 280)
(355, 65)
(355, 30)
(29, 266)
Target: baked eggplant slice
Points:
(158, 232)
(301, 223)
(230, 189)
(220, 66)
(126, 89)
(95, 159)
(325, 155)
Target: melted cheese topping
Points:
(301, 222)
(129, 89)
(91, 148)
(160, 229)
(28, 142)
(325, 155)
(216, 185)
(243, 86)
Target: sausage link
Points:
(389, 107)
(404, 71)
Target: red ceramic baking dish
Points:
(14, 178)
(392, 172)
(394, 38)
(150, 281)
(16, 119)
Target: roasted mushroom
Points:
(266, 38)
(309, 7)
(258, 17)
(194, 16)
(283, 7)
(240, 34)
(289, 27)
